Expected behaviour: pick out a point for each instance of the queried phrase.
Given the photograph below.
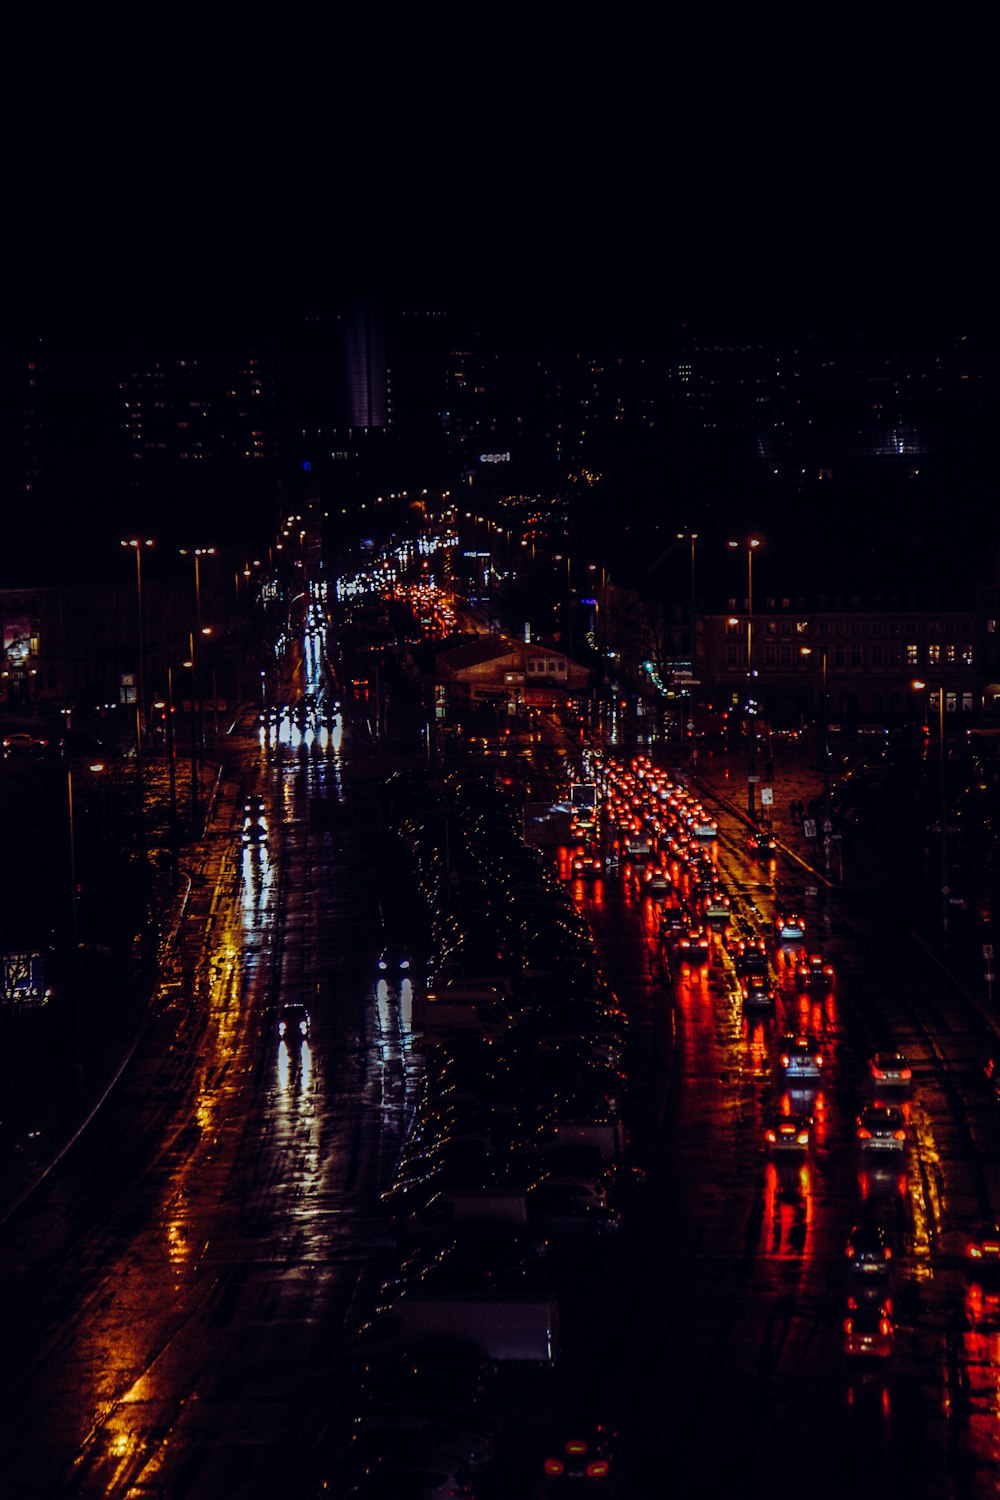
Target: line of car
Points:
(699, 919)
(516, 1174)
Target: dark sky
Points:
(597, 177)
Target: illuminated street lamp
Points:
(558, 557)
(137, 544)
(825, 703)
(190, 663)
(945, 888)
(168, 709)
(751, 543)
(198, 553)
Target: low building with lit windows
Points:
(493, 667)
(786, 661)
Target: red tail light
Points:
(575, 1446)
(863, 1134)
(899, 1135)
(597, 1469)
(555, 1467)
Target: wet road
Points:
(171, 1292)
(173, 1295)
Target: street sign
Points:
(766, 796)
(809, 827)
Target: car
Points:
(393, 961)
(18, 743)
(750, 960)
(759, 842)
(868, 1330)
(881, 1127)
(586, 866)
(814, 972)
(255, 831)
(656, 882)
(788, 1133)
(717, 906)
(578, 1454)
(293, 1022)
(868, 1250)
(790, 927)
(756, 991)
(693, 947)
(673, 921)
(982, 1248)
(890, 1070)
(800, 1058)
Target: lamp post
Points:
(558, 557)
(824, 748)
(75, 925)
(692, 537)
(198, 553)
(172, 771)
(194, 739)
(137, 544)
(943, 795)
(751, 544)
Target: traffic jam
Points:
(655, 833)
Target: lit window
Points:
(912, 654)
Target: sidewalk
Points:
(725, 776)
(116, 1015)
(960, 960)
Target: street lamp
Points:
(194, 743)
(943, 789)
(751, 543)
(558, 557)
(198, 553)
(137, 543)
(75, 924)
(825, 703)
(168, 709)
(692, 537)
